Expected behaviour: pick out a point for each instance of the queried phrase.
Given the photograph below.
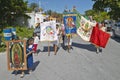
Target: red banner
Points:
(99, 37)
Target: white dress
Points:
(66, 41)
(56, 42)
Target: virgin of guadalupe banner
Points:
(48, 31)
(70, 23)
(16, 55)
(85, 28)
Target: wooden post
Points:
(8, 59)
(68, 43)
(48, 48)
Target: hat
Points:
(37, 24)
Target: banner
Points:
(16, 55)
(99, 37)
(48, 31)
(85, 28)
(70, 23)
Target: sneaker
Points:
(71, 48)
(100, 49)
(97, 50)
(16, 72)
(22, 75)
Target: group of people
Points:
(32, 43)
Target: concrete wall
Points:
(31, 21)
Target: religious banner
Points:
(48, 31)
(16, 55)
(85, 28)
(70, 23)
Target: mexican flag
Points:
(85, 28)
(99, 37)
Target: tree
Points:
(98, 16)
(90, 12)
(11, 9)
(111, 6)
(34, 7)
(54, 14)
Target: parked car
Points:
(116, 30)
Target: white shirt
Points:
(36, 40)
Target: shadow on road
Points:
(116, 39)
(45, 49)
(35, 64)
(89, 47)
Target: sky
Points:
(60, 5)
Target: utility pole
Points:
(39, 4)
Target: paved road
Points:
(81, 64)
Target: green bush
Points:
(24, 32)
(21, 32)
(2, 47)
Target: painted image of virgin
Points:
(16, 56)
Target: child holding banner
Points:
(102, 28)
(29, 51)
(99, 37)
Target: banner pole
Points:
(68, 44)
(48, 48)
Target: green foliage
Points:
(24, 32)
(33, 6)
(2, 47)
(110, 6)
(21, 32)
(99, 16)
(54, 14)
(10, 10)
(90, 12)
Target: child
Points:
(68, 42)
(37, 30)
(97, 34)
(29, 51)
(103, 28)
(36, 40)
(55, 43)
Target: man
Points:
(37, 29)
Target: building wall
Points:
(31, 21)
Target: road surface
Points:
(82, 63)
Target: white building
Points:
(30, 22)
(35, 18)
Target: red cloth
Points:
(99, 37)
(104, 37)
(35, 47)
